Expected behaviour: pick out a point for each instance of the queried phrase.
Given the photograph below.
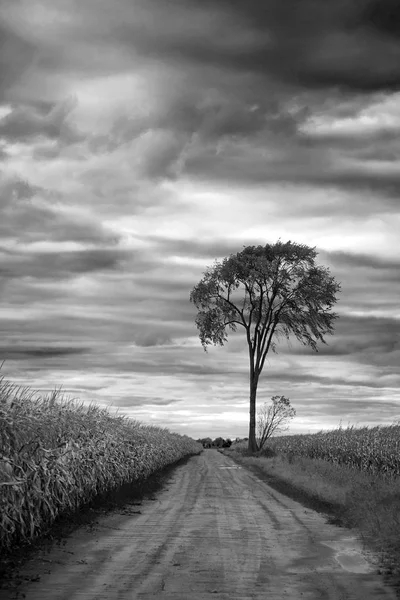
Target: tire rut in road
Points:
(217, 532)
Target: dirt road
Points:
(215, 531)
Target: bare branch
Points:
(273, 418)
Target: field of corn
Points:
(57, 455)
(375, 450)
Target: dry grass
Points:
(367, 501)
(57, 455)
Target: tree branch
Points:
(230, 304)
(274, 326)
(256, 329)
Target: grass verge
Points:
(350, 498)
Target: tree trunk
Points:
(252, 426)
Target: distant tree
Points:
(207, 442)
(271, 291)
(218, 442)
(273, 418)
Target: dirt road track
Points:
(214, 532)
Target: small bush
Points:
(268, 452)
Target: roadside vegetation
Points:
(351, 474)
(375, 450)
(219, 442)
(58, 455)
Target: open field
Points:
(375, 450)
(56, 456)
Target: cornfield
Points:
(57, 455)
(376, 449)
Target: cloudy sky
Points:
(142, 139)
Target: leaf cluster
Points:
(272, 290)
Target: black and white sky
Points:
(142, 139)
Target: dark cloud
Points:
(196, 124)
(26, 123)
(300, 376)
(62, 265)
(215, 116)
(16, 54)
(291, 165)
(15, 189)
(3, 153)
(383, 16)
(149, 338)
(374, 340)
(259, 86)
(138, 400)
(269, 142)
(264, 137)
(351, 260)
(21, 352)
(177, 368)
(46, 152)
(356, 142)
(123, 130)
(160, 160)
(257, 96)
(31, 214)
(349, 409)
(309, 43)
(208, 249)
(366, 340)
(370, 283)
(28, 223)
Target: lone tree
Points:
(272, 290)
(273, 418)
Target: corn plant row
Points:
(57, 455)
(375, 449)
